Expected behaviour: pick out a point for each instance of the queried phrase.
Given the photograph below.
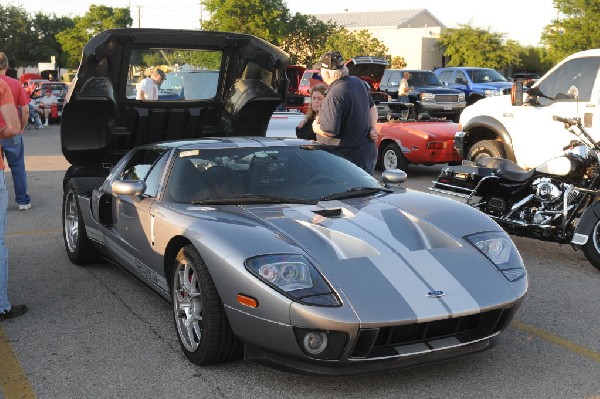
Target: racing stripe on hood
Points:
(384, 220)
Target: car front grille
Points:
(416, 338)
(446, 98)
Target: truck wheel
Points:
(393, 158)
(486, 148)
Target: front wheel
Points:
(393, 158)
(591, 249)
(202, 326)
(486, 148)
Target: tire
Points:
(591, 249)
(486, 148)
(392, 158)
(202, 327)
(77, 244)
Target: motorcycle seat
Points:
(505, 168)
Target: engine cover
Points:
(546, 190)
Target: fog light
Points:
(315, 342)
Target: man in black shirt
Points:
(348, 113)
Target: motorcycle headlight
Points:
(492, 92)
(295, 277)
(427, 97)
(500, 250)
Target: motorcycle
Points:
(553, 202)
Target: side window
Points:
(139, 165)
(580, 72)
(460, 77)
(394, 77)
(153, 178)
(445, 76)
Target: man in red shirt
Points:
(9, 127)
(13, 149)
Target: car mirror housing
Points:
(393, 176)
(128, 187)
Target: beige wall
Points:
(415, 43)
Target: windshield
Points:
(264, 175)
(486, 76)
(424, 79)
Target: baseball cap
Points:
(332, 60)
(161, 73)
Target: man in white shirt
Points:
(47, 101)
(147, 89)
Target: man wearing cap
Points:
(348, 113)
(147, 89)
(46, 103)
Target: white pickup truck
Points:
(526, 133)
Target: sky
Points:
(521, 20)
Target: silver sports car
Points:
(280, 251)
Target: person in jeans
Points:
(12, 148)
(9, 126)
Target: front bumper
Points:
(435, 109)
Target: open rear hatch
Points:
(218, 84)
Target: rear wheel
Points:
(591, 249)
(202, 326)
(486, 148)
(393, 158)
(78, 246)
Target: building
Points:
(411, 34)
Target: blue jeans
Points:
(14, 154)
(4, 303)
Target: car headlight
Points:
(501, 251)
(295, 277)
(427, 97)
(492, 92)
(461, 96)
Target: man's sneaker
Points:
(24, 207)
(14, 312)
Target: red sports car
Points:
(404, 140)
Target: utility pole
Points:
(201, 11)
(139, 8)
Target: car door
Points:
(538, 137)
(134, 221)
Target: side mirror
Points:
(516, 94)
(128, 187)
(393, 176)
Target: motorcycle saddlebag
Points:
(460, 180)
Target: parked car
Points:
(31, 85)
(310, 77)
(476, 83)
(272, 249)
(370, 70)
(404, 140)
(59, 90)
(428, 95)
(295, 100)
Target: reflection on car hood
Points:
(377, 254)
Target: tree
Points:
(304, 38)
(578, 29)
(351, 44)
(45, 28)
(16, 37)
(398, 63)
(263, 18)
(97, 19)
(471, 46)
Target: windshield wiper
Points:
(356, 192)
(254, 199)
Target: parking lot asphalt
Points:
(96, 332)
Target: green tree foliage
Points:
(533, 59)
(45, 28)
(263, 18)
(471, 46)
(97, 19)
(304, 38)
(578, 28)
(398, 63)
(16, 37)
(351, 44)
